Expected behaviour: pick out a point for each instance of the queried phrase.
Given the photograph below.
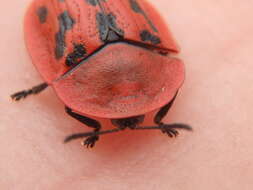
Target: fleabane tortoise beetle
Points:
(105, 58)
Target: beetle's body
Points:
(104, 58)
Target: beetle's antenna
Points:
(89, 134)
(169, 129)
(165, 126)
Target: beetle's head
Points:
(130, 122)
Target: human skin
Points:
(216, 100)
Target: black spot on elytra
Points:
(147, 36)
(108, 29)
(137, 8)
(74, 57)
(94, 2)
(42, 14)
(65, 23)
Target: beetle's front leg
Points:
(34, 90)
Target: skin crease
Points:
(216, 99)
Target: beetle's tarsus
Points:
(171, 130)
(19, 95)
(34, 90)
(88, 142)
(91, 141)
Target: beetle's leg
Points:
(34, 90)
(163, 111)
(90, 141)
(170, 130)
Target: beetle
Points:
(110, 59)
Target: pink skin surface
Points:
(217, 45)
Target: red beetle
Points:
(105, 58)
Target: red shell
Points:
(119, 80)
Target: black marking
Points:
(136, 8)
(77, 55)
(108, 29)
(147, 36)
(103, 26)
(94, 2)
(66, 23)
(42, 13)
